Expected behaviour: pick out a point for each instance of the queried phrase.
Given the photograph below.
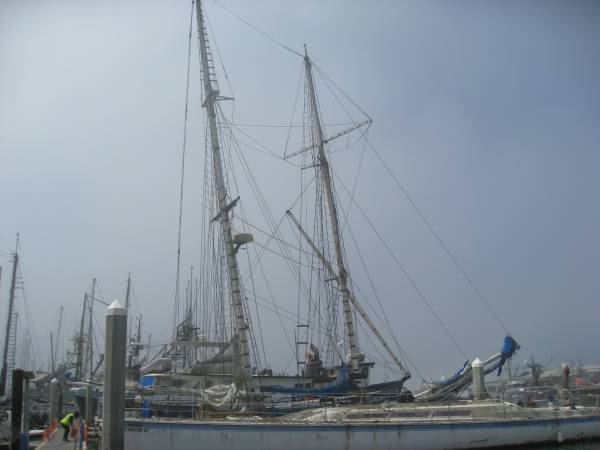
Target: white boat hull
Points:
(193, 435)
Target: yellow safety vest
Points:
(67, 419)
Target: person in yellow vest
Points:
(67, 422)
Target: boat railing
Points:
(315, 410)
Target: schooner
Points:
(389, 425)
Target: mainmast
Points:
(333, 216)
(10, 330)
(211, 96)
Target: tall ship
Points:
(215, 370)
(216, 339)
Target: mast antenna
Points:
(79, 341)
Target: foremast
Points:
(333, 217)
(211, 96)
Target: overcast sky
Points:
(487, 112)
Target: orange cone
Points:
(85, 437)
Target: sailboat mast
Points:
(9, 321)
(333, 215)
(91, 329)
(80, 340)
(60, 316)
(51, 353)
(127, 292)
(210, 98)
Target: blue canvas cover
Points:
(509, 348)
(146, 381)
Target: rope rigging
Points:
(439, 240)
(258, 30)
(312, 278)
(401, 266)
(184, 145)
(329, 83)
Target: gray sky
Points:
(487, 112)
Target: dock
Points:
(56, 443)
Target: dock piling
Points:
(479, 392)
(19, 420)
(564, 376)
(89, 413)
(563, 391)
(26, 412)
(54, 399)
(113, 430)
(17, 409)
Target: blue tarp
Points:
(509, 348)
(146, 409)
(146, 381)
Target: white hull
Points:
(440, 435)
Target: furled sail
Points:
(453, 386)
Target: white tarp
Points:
(225, 397)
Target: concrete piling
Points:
(564, 376)
(26, 410)
(17, 409)
(20, 409)
(54, 399)
(89, 413)
(563, 391)
(113, 430)
(479, 392)
(60, 402)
